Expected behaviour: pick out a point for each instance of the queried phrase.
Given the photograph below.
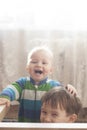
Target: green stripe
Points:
(29, 85)
(17, 86)
(43, 87)
(2, 96)
(27, 120)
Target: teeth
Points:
(38, 71)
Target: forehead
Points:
(55, 104)
(41, 53)
(48, 105)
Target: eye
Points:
(45, 63)
(54, 114)
(43, 112)
(34, 62)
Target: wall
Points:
(70, 56)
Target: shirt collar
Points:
(40, 83)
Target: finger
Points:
(67, 88)
(71, 92)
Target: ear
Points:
(72, 118)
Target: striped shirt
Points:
(29, 96)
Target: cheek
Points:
(50, 70)
(41, 118)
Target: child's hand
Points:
(71, 89)
(4, 101)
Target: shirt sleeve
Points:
(14, 90)
(54, 83)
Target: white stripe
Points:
(15, 91)
(30, 94)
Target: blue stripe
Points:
(30, 114)
(54, 83)
(30, 104)
(40, 83)
(21, 82)
(30, 110)
(9, 92)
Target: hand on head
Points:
(71, 89)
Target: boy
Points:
(28, 91)
(59, 106)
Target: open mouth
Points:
(38, 71)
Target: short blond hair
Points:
(39, 48)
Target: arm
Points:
(13, 91)
(70, 88)
(5, 101)
(4, 107)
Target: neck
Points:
(37, 83)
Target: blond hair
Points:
(39, 48)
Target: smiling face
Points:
(39, 65)
(50, 114)
(59, 106)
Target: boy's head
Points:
(59, 106)
(39, 64)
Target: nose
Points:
(47, 119)
(39, 64)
